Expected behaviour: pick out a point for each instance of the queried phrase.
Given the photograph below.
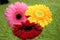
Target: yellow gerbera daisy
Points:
(40, 14)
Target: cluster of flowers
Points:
(27, 22)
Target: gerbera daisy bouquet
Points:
(27, 22)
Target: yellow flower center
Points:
(39, 14)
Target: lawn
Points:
(50, 32)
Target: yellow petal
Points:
(31, 19)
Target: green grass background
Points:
(50, 32)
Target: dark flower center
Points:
(26, 28)
(18, 16)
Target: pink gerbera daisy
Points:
(15, 13)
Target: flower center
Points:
(26, 28)
(18, 16)
(39, 13)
